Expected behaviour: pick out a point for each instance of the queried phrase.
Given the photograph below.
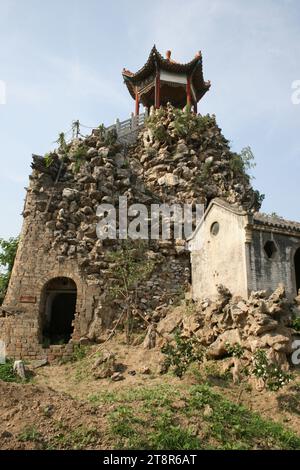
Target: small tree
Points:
(7, 257)
(131, 270)
(243, 162)
(248, 158)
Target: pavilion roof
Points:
(156, 60)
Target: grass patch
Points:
(64, 438)
(105, 397)
(235, 427)
(76, 439)
(169, 435)
(30, 434)
(173, 418)
(79, 353)
(7, 373)
(170, 417)
(131, 429)
(159, 395)
(81, 360)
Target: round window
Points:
(214, 229)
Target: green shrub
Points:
(235, 350)
(79, 156)
(110, 137)
(48, 159)
(183, 124)
(6, 372)
(61, 141)
(180, 355)
(273, 376)
(79, 353)
(296, 324)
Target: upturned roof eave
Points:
(155, 60)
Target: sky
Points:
(61, 60)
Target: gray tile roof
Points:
(276, 222)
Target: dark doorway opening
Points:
(297, 269)
(58, 314)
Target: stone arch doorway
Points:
(58, 312)
(297, 269)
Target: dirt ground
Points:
(59, 399)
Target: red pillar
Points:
(188, 92)
(157, 90)
(137, 103)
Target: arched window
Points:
(58, 312)
(215, 228)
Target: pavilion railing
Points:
(129, 127)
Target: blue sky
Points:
(62, 60)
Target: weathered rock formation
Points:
(179, 157)
(263, 322)
(185, 158)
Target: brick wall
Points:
(21, 337)
(39, 260)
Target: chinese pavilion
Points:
(162, 80)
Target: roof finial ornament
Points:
(168, 57)
(162, 80)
